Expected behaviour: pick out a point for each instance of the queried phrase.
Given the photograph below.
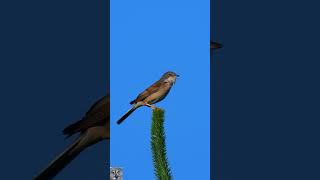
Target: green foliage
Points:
(158, 146)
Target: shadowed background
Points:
(53, 68)
(265, 90)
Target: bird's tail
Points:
(134, 107)
(61, 161)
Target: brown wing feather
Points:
(150, 90)
(97, 115)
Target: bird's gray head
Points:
(170, 77)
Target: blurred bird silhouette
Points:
(92, 128)
(215, 45)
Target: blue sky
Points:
(149, 38)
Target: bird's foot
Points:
(153, 107)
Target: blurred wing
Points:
(97, 115)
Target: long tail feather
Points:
(130, 111)
(60, 162)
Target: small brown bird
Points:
(155, 93)
(93, 128)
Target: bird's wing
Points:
(97, 115)
(150, 90)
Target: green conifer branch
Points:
(158, 146)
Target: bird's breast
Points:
(158, 95)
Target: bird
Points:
(92, 128)
(116, 173)
(155, 93)
(215, 45)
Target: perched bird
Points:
(155, 93)
(93, 128)
(215, 45)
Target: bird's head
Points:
(170, 77)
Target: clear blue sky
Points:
(149, 38)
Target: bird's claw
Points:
(153, 107)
